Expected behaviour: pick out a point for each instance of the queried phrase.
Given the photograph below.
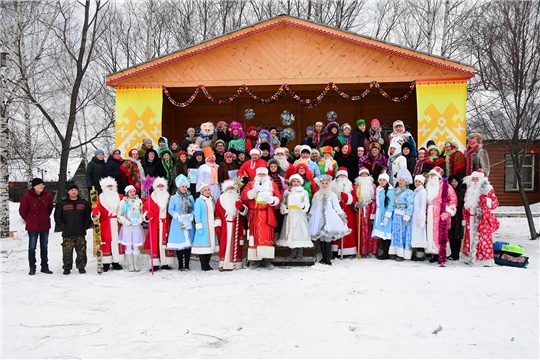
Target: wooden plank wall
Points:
(176, 120)
(496, 177)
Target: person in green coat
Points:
(95, 170)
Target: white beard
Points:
(327, 164)
(265, 182)
(110, 200)
(366, 188)
(472, 195)
(228, 202)
(161, 198)
(282, 162)
(432, 189)
(340, 185)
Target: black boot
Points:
(45, 269)
(106, 267)
(202, 259)
(328, 246)
(156, 268)
(117, 266)
(207, 259)
(32, 271)
(386, 248)
(166, 267)
(180, 256)
(323, 256)
(187, 256)
(455, 246)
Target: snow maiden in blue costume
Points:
(182, 229)
(401, 224)
(382, 225)
(205, 242)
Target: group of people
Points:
(216, 190)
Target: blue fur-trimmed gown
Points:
(401, 234)
(379, 230)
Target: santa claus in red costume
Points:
(479, 221)
(229, 220)
(346, 193)
(441, 206)
(366, 207)
(261, 195)
(106, 211)
(156, 208)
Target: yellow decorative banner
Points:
(441, 108)
(138, 116)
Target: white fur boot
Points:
(136, 263)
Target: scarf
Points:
(206, 136)
(238, 144)
(443, 225)
(168, 165)
(375, 135)
(191, 139)
(448, 158)
(398, 192)
(390, 161)
(275, 177)
(317, 137)
(213, 173)
(471, 149)
(184, 201)
(419, 166)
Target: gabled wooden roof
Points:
(289, 50)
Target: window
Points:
(529, 173)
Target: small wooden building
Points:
(502, 175)
(286, 63)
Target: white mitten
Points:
(258, 188)
(385, 221)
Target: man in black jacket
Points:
(73, 217)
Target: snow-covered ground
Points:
(355, 309)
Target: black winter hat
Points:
(72, 186)
(37, 181)
(264, 146)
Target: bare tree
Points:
(71, 51)
(506, 105)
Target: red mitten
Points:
(95, 212)
(445, 216)
(239, 206)
(149, 215)
(344, 197)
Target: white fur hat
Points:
(384, 176)
(255, 151)
(106, 181)
(159, 181)
(363, 170)
(262, 170)
(227, 184)
(342, 171)
(279, 150)
(297, 177)
(420, 178)
(129, 187)
(395, 145)
(478, 174)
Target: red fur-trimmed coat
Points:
(485, 225)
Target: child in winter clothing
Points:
(295, 232)
(382, 225)
(328, 220)
(131, 235)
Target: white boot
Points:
(130, 260)
(136, 263)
